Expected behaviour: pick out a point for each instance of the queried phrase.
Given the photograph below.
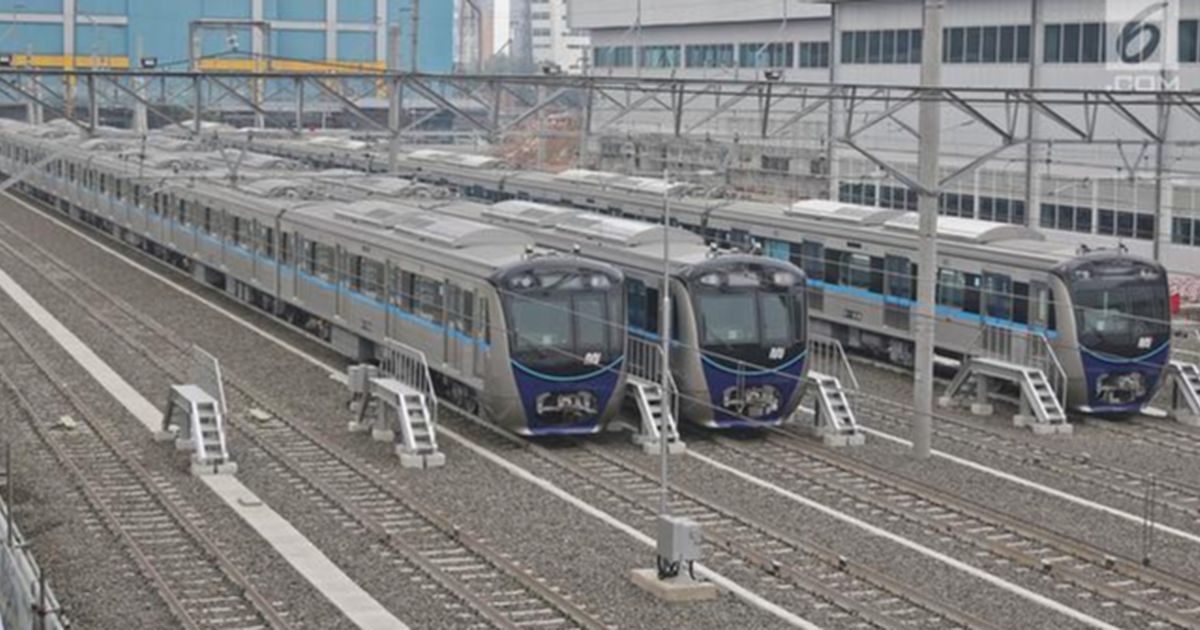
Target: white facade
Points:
(1096, 194)
(553, 38)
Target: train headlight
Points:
(601, 282)
(711, 280)
(526, 281)
(1148, 274)
(1083, 274)
(783, 279)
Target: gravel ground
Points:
(472, 492)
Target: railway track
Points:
(502, 593)
(796, 575)
(1159, 433)
(480, 586)
(1177, 496)
(192, 575)
(1076, 570)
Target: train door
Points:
(483, 337)
(900, 287)
(998, 311)
(459, 313)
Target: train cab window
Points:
(428, 297)
(998, 296)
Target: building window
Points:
(660, 56)
(985, 44)
(612, 57)
(814, 54)
(1185, 231)
(774, 55)
(897, 198)
(1076, 43)
(1001, 210)
(881, 47)
(956, 205)
(709, 56)
(776, 164)
(1189, 41)
(1067, 218)
(861, 194)
(1125, 224)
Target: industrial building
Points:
(1106, 194)
(317, 35)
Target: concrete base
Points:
(383, 435)
(1052, 429)
(357, 427)
(420, 460)
(1189, 419)
(182, 444)
(164, 436)
(200, 469)
(843, 440)
(1021, 420)
(655, 448)
(680, 589)
(982, 409)
(947, 402)
(1155, 412)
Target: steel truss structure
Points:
(1150, 136)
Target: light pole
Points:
(927, 166)
(664, 448)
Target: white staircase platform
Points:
(402, 415)
(195, 421)
(655, 413)
(1041, 409)
(834, 420)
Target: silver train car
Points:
(533, 338)
(1104, 314)
(738, 322)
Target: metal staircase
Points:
(655, 414)
(201, 429)
(1185, 392)
(401, 390)
(195, 416)
(834, 420)
(658, 413)
(1025, 360)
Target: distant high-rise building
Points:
(305, 34)
(553, 40)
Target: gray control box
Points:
(679, 539)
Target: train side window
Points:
(103, 183)
(860, 272)
(266, 239)
(396, 293)
(285, 248)
(1041, 308)
(244, 231)
(971, 293)
(810, 257)
(950, 288)
(834, 266)
(429, 298)
(998, 296)
(208, 220)
(1020, 303)
(485, 324)
(235, 234)
(372, 278)
(899, 277)
(460, 308)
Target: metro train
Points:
(738, 322)
(1104, 315)
(535, 339)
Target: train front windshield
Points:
(753, 316)
(565, 321)
(1122, 311)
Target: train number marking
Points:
(591, 358)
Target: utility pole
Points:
(416, 29)
(664, 506)
(927, 166)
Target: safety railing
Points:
(828, 357)
(25, 599)
(205, 373)
(409, 366)
(644, 360)
(1030, 349)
